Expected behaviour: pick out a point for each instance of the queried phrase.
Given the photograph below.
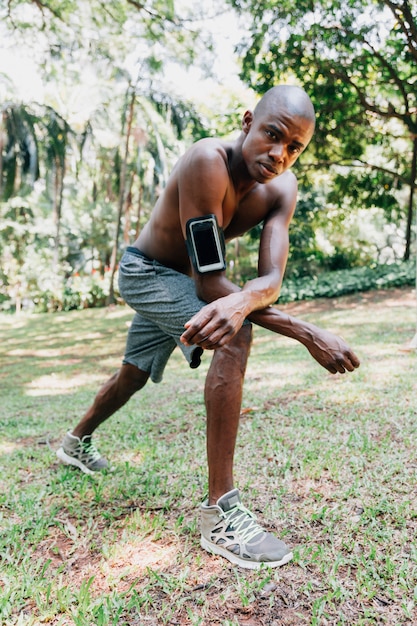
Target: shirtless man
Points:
(242, 183)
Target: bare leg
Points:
(223, 398)
(113, 395)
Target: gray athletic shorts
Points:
(163, 300)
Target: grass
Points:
(329, 463)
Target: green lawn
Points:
(329, 463)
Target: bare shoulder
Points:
(208, 146)
(278, 196)
(284, 185)
(209, 152)
(202, 179)
(282, 196)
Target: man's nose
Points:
(277, 152)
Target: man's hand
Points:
(216, 323)
(331, 352)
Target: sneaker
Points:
(230, 530)
(82, 454)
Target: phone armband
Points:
(205, 244)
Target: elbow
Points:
(201, 294)
(273, 299)
(276, 296)
(206, 288)
(273, 291)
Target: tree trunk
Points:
(139, 210)
(412, 345)
(122, 191)
(57, 210)
(2, 137)
(410, 211)
(127, 213)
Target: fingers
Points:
(354, 360)
(215, 324)
(350, 361)
(196, 330)
(343, 364)
(206, 339)
(205, 335)
(335, 367)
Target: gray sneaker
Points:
(230, 530)
(82, 454)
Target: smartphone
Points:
(205, 242)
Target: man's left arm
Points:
(328, 349)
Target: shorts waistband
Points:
(138, 252)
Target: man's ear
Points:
(247, 121)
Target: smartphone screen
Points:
(204, 239)
(205, 244)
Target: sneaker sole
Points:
(70, 460)
(237, 560)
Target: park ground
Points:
(329, 463)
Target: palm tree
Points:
(19, 154)
(150, 121)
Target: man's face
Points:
(274, 142)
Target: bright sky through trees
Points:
(21, 76)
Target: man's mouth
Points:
(269, 170)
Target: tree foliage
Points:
(357, 60)
(91, 158)
(81, 168)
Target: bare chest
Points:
(241, 214)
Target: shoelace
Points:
(89, 449)
(243, 522)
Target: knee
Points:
(236, 352)
(131, 379)
(243, 340)
(247, 333)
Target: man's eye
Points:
(270, 134)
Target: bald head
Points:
(294, 99)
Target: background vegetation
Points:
(84, 156)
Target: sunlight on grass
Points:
(57, 384)
(43, 353)
(130, 560)
(7, 447)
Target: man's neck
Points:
(242, 181)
